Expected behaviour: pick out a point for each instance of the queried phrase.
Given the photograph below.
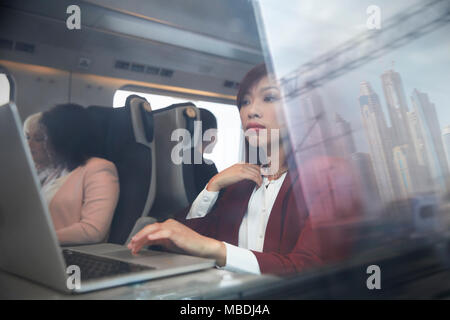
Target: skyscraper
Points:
(431, 134)
(377, 134)
(417, 138)
(344, 143)
(400, 129)
(446, 141)
(319, 139)
(370, 193)
(403, 171)
(397, 107)
(423, 179)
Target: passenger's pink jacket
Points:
(82, 209)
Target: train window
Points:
(228, 123)
(5, 89)
(382, 117)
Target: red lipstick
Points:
(255, 126)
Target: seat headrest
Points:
(178, 188)
(142, 118)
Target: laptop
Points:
(28, 244)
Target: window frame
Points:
(214, 97)
(220, 98)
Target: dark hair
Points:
(250, 79)
(68, 131)
(208, 119)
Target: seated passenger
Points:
(81, 191)
(46, 168)
(204, 171)
(262, 223)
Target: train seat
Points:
(175, 188)
(124, 136)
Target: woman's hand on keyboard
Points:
(176, 237)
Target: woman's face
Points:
(37, 140)
(261, 108)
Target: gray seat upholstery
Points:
(175, 188)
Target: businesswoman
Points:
(81, 191)
(261, 223)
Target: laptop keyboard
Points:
(95, 267)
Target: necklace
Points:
(275, 176)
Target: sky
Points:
(4, 89)
(298, 31)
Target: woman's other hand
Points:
(176, 237)
(233, 174)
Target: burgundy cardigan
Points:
(292, 242)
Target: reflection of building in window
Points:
(430, 130)
(345, 145)
(4, 89)
(403, 171)
(319, 137)
(225, 152)
(397, 106)
(417, 138)
(409, 156)
(446, 141)
(379, 143)
(368, 182)
(423, 175)
(400, 137)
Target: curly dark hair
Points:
(68, 131)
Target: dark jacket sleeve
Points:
(305, 255)
(324, 219)
(205, 225)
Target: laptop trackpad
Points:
(125, 254)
